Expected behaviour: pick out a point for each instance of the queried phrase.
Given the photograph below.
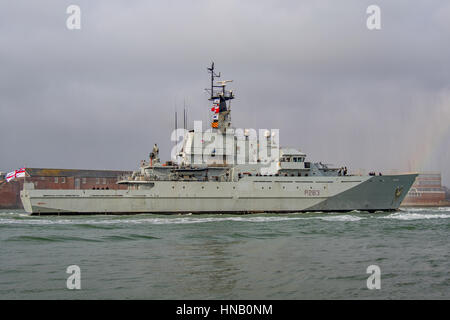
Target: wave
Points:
(14, 214)
(129, 237)
(406, 215)
(342, 218)
(104, 223)
(409, 209)
(108, 222)
(50, 238)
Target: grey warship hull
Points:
(280, 195)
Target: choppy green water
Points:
(295, 256)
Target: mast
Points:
(220, 96)
(176, 126)
(184, 115)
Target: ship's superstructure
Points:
(228, 170)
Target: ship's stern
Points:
(25, 197)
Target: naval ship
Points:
(227, 170)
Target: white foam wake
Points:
(174, 220)
(416, 216)
(341, 218)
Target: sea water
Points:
(261, 256)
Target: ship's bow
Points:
(377, 193)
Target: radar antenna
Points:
(219, 97)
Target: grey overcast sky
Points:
(100, 97)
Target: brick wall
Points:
(10, 191)
(10, 195)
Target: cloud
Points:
(101, 96)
